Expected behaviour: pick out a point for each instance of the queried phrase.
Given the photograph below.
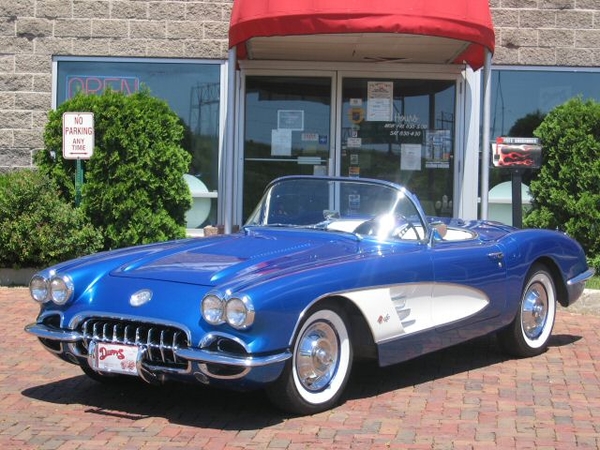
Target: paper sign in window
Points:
(281, 142)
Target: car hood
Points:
(243, 256)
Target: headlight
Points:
(239, 313)
(213, 309)
(38, 288)
(61, 289)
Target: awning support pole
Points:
(485, 144)
(228, 155)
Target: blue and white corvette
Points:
(325, 271)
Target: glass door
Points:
(287, 131)
(401, 130)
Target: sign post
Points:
(78, 143)
(516, 154)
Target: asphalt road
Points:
(470, 396)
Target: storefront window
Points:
(521, 98)
(192, 90)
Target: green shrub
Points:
(566, 192)
(37, 227)
(134, 188)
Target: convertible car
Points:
(325, 271)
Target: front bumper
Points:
(204, 365)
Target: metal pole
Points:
(78, 181)
(517, 198)
(226, 178)
(485, 144)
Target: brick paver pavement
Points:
(467, 397)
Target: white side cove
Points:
(397, 311)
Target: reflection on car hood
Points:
(247, 255)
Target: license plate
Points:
(116, 358)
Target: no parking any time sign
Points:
(78, 135)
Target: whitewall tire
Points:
(316, 375)
(529, 333)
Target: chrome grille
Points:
(161, 341)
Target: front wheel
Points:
(316, 375)
(529, 333)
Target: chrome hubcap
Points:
(318, 356)
(534, 311)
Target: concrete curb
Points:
(16, 277)
(588, 303)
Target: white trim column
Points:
(485, 144)
(226, 203)
(466, 179)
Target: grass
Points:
(593, 283)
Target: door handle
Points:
(496, 257)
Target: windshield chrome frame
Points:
(259, 215)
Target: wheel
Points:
(316, 375)
(529, 333)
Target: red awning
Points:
(416, 31)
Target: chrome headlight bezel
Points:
(239, 312)
(61, 289)
(39, 289)
(213, 309)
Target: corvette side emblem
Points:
(140, 297)
(382, 319)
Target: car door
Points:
(470, 281)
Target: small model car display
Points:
(325, 271)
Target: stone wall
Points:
(528, 32)
(547, 32)
(33, 31)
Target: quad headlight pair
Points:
(235, 311)
(58, 289)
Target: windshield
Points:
(359, 206)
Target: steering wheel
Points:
(401, 230)
(381, 226)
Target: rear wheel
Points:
(316, 375)
(529, 333)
